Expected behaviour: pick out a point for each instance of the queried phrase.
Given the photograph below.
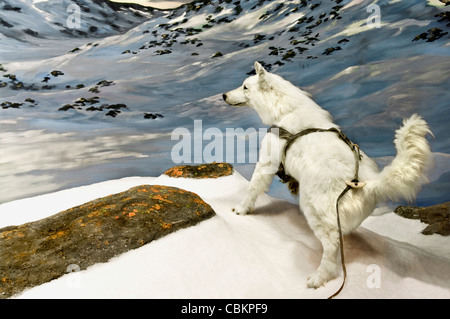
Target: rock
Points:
(37, 252)
(153, 116)
(13, 105)
(105, 83)
(437, 216)
(273, 50)
(18, 86)
(289, 54)
(216, 55)
(258, 37)
(117, 106)
(211, 170)
(301, 49)
(162, 52)
(444, 16)
(343, 41)
(328, 51)
(8, 7)
(66, 107)
(56, 73)
(30, 100)
(112, 113)
(93, 108)
(431, 35)
(31, 32)
(6, 23)
(92, 100)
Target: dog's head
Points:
(268, 94)
(249, 90)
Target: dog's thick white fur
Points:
(322, 163)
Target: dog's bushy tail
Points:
(402, 179)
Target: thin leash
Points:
(341, 242)
(355, 183)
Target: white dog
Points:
(322, 163)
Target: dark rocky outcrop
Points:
(211, 170)
(437, 216)
(153, 116)
(37, 252)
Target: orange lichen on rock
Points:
(59, 234)
(211, 170)
(159, 197)
(166, 225)
(39, 251)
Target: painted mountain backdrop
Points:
(92, 90)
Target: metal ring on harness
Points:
(355, 184)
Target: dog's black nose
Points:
(224, 96)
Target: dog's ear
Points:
(260, 71)
(262, 77)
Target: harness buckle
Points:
(355, 184)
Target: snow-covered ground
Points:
(268, 254)
(161, 62)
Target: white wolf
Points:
(322, 163)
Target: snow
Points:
(268, 254)
(392, 77)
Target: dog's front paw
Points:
(240, 211)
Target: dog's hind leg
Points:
(328, 265)
(328, 235)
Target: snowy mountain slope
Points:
(27, 19)
(31, 29)
(177, 63)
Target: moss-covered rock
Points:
(37, 252)
(437, 217)
(211, 170)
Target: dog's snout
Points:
(224, 96)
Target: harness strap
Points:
(355, 183)
(293, 137)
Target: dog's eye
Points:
(245, 87)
